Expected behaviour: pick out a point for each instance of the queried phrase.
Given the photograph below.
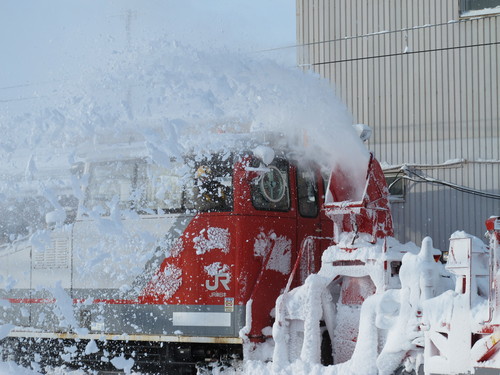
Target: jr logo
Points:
(223, 278)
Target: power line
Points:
(16, 86)
(30, 84)
(383, 32)
(21, 99)
(418, 178)
(405, 53)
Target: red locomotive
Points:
(169, 264)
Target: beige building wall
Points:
(427, 81)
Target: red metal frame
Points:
(371, 215)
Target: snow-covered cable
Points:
(382, 32)
(464, 189)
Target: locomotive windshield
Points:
(211, 188)
(147, 188)
(270, 191)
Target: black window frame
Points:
(303, 195)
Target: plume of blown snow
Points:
(173, 98)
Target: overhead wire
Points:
(383, 32)
(406, 53)
(32, 84)
(21, 99)
(413, 176)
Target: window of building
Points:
(481, 6)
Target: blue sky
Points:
(45, 43)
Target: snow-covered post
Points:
(281, 335)
(419, 275)
(311, 347)
(452, 354)
(247, 346)
(366, 351)
(429, 277)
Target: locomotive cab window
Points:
(210, 189)
(270, 190)
(134, 185)
(307, 190)
(111, 184)
(147, 188)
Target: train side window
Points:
(165, 187)
(111, 183)
(270, 190)
(307, 191)
(136, 185)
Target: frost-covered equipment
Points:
(444, 317)
(462, 327)
(363, 261)
(359, 216)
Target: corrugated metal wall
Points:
(427, 82)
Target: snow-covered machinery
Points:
(182, 261)
(380, 307)
(462, 326)
(364, 260)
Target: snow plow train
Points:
(165, 265)
(206, 259)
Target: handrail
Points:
(304, 243)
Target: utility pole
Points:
(129, 16)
